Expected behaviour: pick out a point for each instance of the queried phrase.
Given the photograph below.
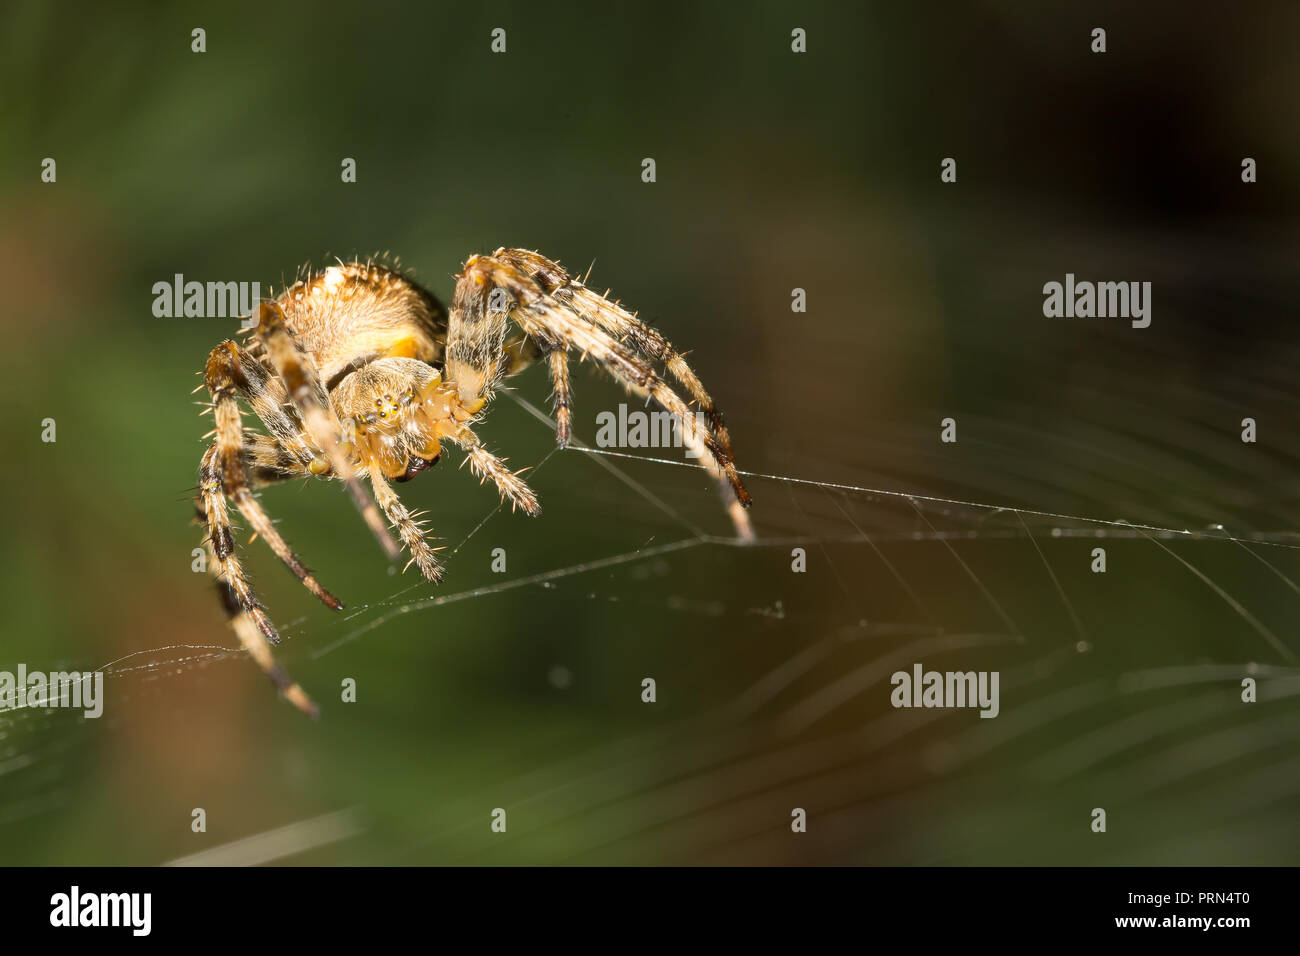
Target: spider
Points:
(357, 372)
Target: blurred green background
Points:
(775, 170)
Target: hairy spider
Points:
(358, 372)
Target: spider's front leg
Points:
(488, 466)
(408, 528)
(221, 474)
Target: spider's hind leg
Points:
(254, 629)
(232, 370)
(226, 565)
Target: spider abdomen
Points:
(352, 313)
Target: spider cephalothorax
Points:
(357, 372)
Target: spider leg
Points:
(254, 629)
(558, 364)
(212, 504)
(408, 529)
(268, 463)
(554, 309)
(634, 373)
(231, 370)
(737, 511)
(520, 354)
(613, 318)
(487, 465)
(309, 398)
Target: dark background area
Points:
(774, 171)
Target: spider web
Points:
(799, 726)
(1062, 526)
